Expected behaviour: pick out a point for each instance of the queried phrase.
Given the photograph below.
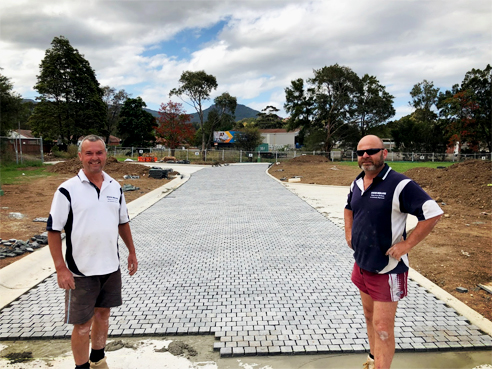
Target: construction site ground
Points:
(456, 254)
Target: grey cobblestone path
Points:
(235, 254)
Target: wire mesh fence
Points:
(20, 150)
(25, 149)
(240, 156)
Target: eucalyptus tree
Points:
(197, 86)
(335, 99)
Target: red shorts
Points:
(381, 287)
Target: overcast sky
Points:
(253, 48)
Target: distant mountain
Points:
(242, 111)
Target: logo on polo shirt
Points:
(112, 199)
(378, 195)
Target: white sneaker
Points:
(369, 364)
(101, 364)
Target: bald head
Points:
(370, 141)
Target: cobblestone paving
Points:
(235, 254)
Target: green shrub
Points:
(72, 151)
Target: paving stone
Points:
(224, 272)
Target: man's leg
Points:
(80, 342)
(380, 322)
(384, 333)
(368, 306)
(100, 328)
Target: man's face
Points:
(371, 163)
(93, 156)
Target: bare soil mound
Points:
(462, 183)
(315, 169)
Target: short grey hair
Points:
(92, 138)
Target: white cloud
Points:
(263, 46)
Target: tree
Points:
(478, 83)
(221, 117)
(174, 125)
(136, 126)
(114, 102)
(338, 102)
(373, 104)
(197, 86)
(467, 109)
(10, 106)
(407, 134)
(328, 102)
(424, 100)
(300, 104)
(70, 97)
(268, 118)
(248, 138)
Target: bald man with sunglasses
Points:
(375, 218)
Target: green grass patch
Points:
(11, 173)
(403, 166)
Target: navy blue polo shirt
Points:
(380, 215)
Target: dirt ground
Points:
(33, 198)
(458, 253)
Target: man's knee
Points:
(102, 314)
(83, 329)
(384, 329)
(383, 334)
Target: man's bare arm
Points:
(63, 274)
(348, 217)
(126, 236)
(421, 231)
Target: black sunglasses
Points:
(369, 151)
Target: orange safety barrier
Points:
(147, 158)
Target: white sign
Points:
(250, 155)
(197, 153)
(140, 151)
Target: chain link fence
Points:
(241, 156)
(20, 149)
(23, 149)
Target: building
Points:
(279, 138)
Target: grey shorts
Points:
(102, 291)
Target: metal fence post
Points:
(41, 149)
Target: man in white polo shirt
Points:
(92, 210)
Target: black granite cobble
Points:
(235, 254)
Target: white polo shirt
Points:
(90, 218)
